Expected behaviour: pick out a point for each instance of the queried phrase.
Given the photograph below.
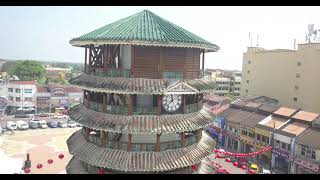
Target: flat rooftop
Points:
(295, 128)
(275, 122)
(305, 116)
(284, 111)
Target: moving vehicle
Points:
(22, 125)
(62, 124)
(60, 116)
(71, 123)
(11, 125)
(255, 168)
(43, 124)
(52, 124)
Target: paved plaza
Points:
(41, 144)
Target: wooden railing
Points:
(119, 145)
(110, 72)
(190, 108)
(145, 110)
(123, 110)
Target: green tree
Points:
(29, 70)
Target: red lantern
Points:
(215, 150)
(228, 160)
(50, 161)
(218, 156)
(244, 167)
(102, 171)
(27, 170)
(251, 171)
(235, 164)
(39, 166)
(61, 156)
(194, 168)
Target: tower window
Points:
(298, 63)
(248, 72)
(297, 75)
(247, 81)
(247, 91)
(295, 99)
(296, 87)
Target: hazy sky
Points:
(43, 33)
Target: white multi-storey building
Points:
(21, 94)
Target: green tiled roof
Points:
(144, 28)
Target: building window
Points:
(244, 132)
(10, 89)
(28, 91)
(248, 72)
(249, 62)
(246, 90)
(295, 99)
(28, 99)
(258, 137)
(283, 145)
(303, 150)
(299, 63)
(297, 75)
(251, 135)
(18, 99)
(296, 87)
(247, 81)
(10, 98)
(313, 154)
(17, 90)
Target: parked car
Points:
(34, 123)
(21, 115)
(71, 124)
(43, 115)
(43, 124)
(22, 125)
(62, 124)
(79, 125)
(60, 116)
(52, 124)
(11, 125)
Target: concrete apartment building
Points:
(228, 82)
(21, 94)
(291, 76)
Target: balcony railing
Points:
(172, 75)
(119, 145)
(111, 72)
(145, 110)
(190, 108)
(123, 110)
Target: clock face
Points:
(171, 102)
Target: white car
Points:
(43, 124)
(71, 124)
(22, 125)
(11, 125)
(60, 116)
(62, 124)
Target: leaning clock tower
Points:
(143, 88)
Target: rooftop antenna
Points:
(294, 44)
(250, 39)
(258, 40)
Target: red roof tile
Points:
(42, 89)
(23, 82)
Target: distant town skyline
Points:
(43, 33)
